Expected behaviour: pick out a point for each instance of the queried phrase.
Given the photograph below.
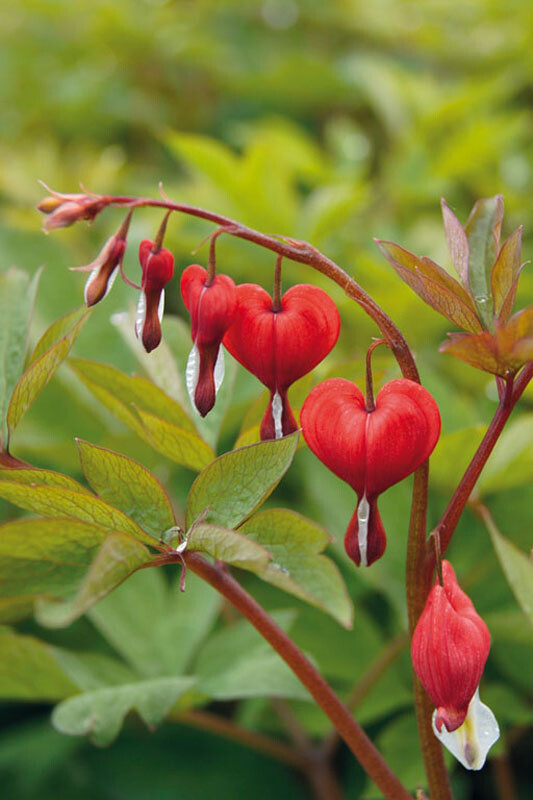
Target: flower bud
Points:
(212, 307)
(370, 450)
(63, 210)
(157, 270)
(280, 346)
(449, 649)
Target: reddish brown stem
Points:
(354, 736)
(276, 294)
(370, 404)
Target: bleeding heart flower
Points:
(370, 450)
(212, 307)
(280, 346)
(105, 266)
(449, 649)
(157, 269)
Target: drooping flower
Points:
(280, 346)
(157, 269)
(211, 305)
(449, 649)
(105, 266)
(370, 450)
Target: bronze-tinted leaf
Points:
(515, 339)
(505, 271)
(479, 350)
(457, 242)
(483, 231)
(434, 285)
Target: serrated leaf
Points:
(295, 543)
(117, 558)
(17, 297)
(155, 627)
(517, 568)
(127, 485)
(46, 556)
(101, 713)
(56, 331)
(434, 285)
(229, 546)
(56, 501)
(237, 662)
(30, 671)
(457, 242)
(483, 231)
(176, 443)
(235, 484)
(505, 273)
(43, 477)
(132, 391)
(39, 373)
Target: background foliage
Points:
(333, 122)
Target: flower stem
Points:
(354, 736)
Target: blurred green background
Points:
(332, 122)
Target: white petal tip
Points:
(472, 741)
(363, 515)
(277, 415)
(192, 372)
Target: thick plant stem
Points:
(354, 736)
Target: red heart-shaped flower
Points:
(370, 450)
(278, 347)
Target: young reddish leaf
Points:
(55, 501)
(127, 485)
(457, 241)
(235, 484)
(483, 231)
(433, 285)
(509, 299)
(39, 373)
(515, 338)
(117, 558)
(505, 273)
(478, 350)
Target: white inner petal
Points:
(141, 315)
(218, 373)
(472, 741)
(93, 275)
(192, 372)
(277, 413)
(363, 515)
(161, 306)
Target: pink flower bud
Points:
(157, 270)
(212, 308)
(103, 270)
(279, 347)
(65, 209)
(449, 649)
(370, 450)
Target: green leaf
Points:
(132, 391)
(101, 713)
(56, 331)
(157, 628)
(93, 670)
(40, 372)
(235, 484)
(118, 557)
(17, 297)
(483, 232)
(127, 485)
(229, 546)
(56, 501)
(453, 454)
(12, 609)
(517, 568)
(46, 556)
(397, 742)
(296, 567)
(434, 285)
(511, 462)
(176, 443)
(29, 670)
(44, 477)
(237, 662)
